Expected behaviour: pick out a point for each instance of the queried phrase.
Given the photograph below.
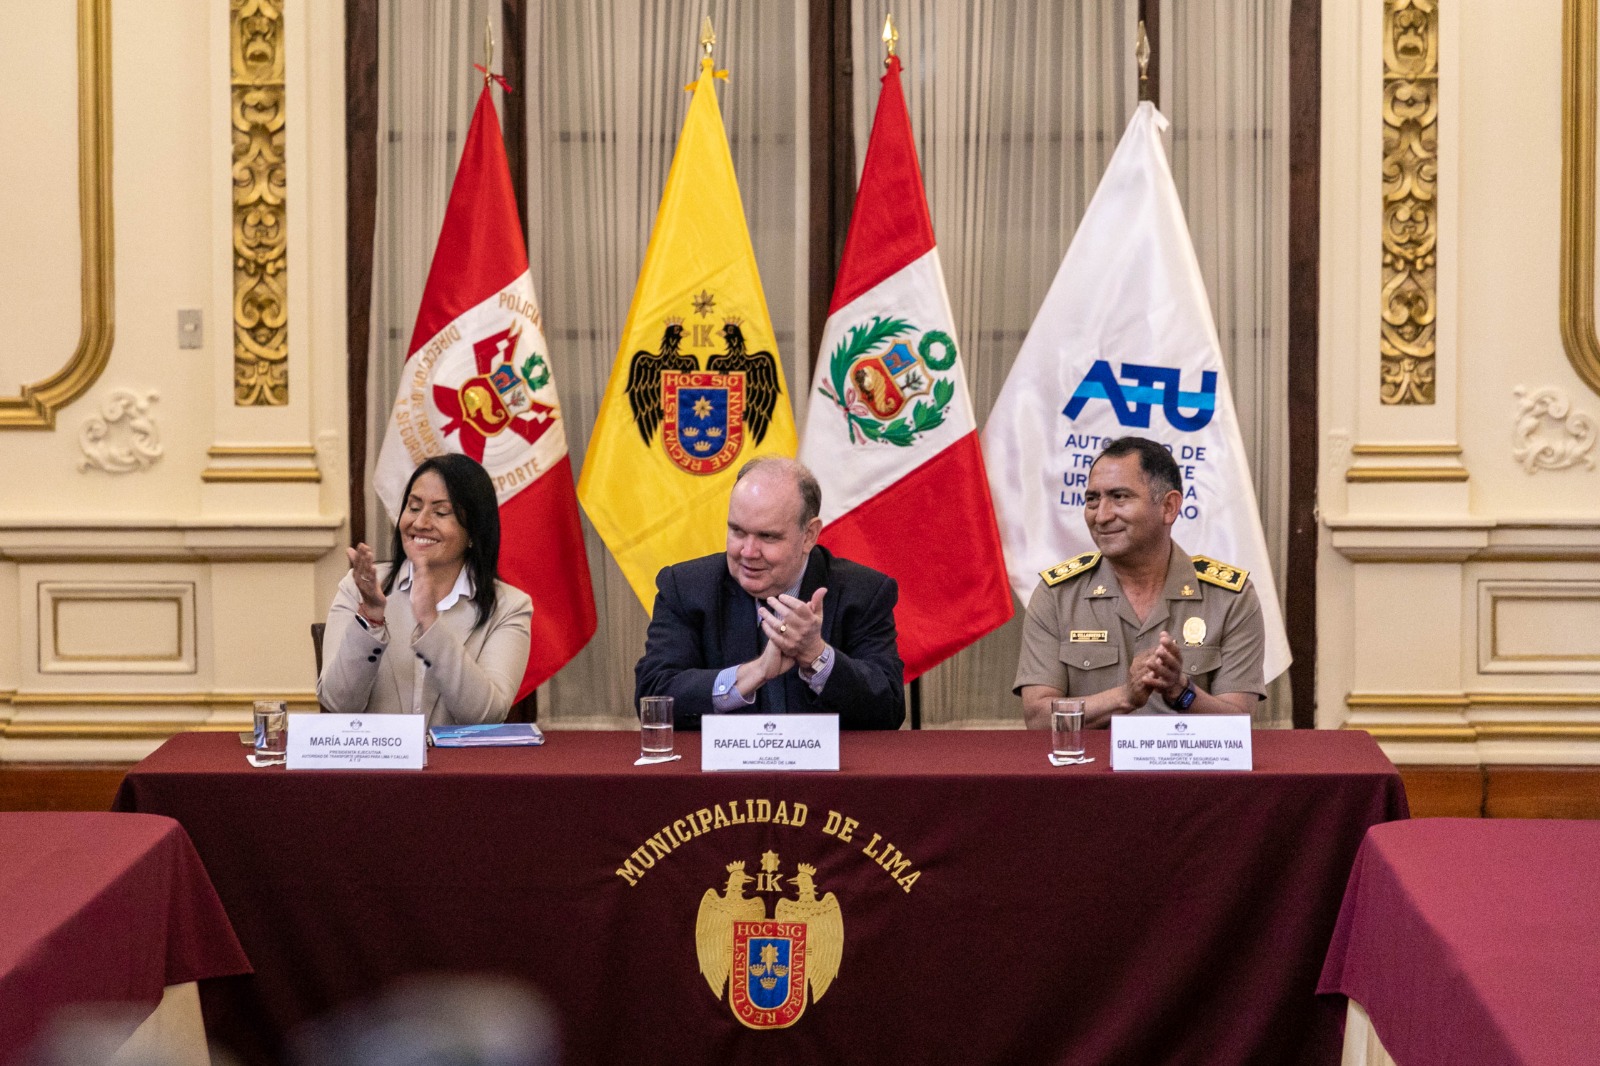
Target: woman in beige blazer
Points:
(438, 634)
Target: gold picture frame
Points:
(35, 405)
(1578, 98)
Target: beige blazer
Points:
(469, 673)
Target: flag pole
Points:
(1141, 53)
(891, 37)
(488, 48)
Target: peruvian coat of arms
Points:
(703, 414)
(768, 964)
(498, 397)
(888, 387)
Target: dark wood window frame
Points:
(832, 176)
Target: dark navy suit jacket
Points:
(704, 622)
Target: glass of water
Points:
(655, 727)
(272, 732)
(1066, 728)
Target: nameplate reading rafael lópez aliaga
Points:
(357, 742)
(769, 742)
(1180, 742)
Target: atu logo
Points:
(1142, 387)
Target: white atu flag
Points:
(1124, 344)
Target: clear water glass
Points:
(655, 727)
(272, 732)
(1066, 728)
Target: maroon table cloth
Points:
(1477, 942)
(970, 903)
(101, 908)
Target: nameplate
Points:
(357, 742)
(769, 742)
(1180, 742)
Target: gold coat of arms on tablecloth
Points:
(768, 964)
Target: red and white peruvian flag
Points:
(889, 430)
(478, 381)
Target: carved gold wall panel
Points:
(1410, 200)
(35, 405)
(1578, 92)
(260, 232)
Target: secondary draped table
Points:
(990, 908)
(101, 908)
(1471, 941)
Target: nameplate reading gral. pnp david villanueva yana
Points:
(769, 742)
(1180, 742)
(357, 742)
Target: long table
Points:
(101, 909)
(1470, 941)
(962, 900)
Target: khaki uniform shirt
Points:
(1080, 634)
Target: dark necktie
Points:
(773, 697)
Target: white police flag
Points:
(1124, 344)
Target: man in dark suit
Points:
(776, 625)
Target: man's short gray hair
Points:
(804, 481)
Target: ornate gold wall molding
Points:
(1410, 203)
(260, 230)
(262, 462)
(1406, 462)
(34, 407)
(1578, 92)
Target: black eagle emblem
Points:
(644, 379)
(760, 378)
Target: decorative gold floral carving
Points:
(34, 407)
(1410, 203)
(260, 232)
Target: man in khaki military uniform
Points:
(1140, 626)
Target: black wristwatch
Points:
(1185, 698)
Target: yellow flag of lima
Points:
(697, 389)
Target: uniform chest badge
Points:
(1088, 636)
(1194, 632)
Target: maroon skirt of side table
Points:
(101, 908)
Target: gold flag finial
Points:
(708, 36)
(1141, 52)
(488, 48)
(890, 36)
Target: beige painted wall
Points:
(138, 600)
(1456, 617)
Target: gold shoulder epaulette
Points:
(1074, 566)
(1220, 574)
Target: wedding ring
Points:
(783, 627)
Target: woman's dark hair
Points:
(472, 498)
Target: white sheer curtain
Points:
(1016, 107)
(606, 105)
(1225, 85)
(426, 91)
